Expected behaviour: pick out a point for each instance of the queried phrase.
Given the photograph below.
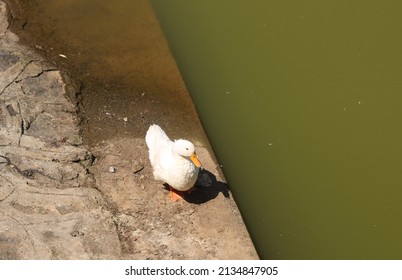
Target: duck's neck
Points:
(179, 157)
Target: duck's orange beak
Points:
(195, 160)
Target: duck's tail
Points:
(155, 137)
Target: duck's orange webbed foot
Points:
(175, 195)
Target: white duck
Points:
(175, 163)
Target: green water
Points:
(302, 103)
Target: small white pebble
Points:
(125, 119)
(62, 55)
(112, 169)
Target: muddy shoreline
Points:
(59, 197)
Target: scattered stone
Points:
(112, 169)
(137, 167)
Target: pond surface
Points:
(302, 104)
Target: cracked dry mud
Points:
(60, 200)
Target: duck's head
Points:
(186, 149)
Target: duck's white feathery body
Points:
(168, 165)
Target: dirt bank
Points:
(61, 199)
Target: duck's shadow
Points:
(206, 188)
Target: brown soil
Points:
(204, 225)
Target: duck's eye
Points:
(187, 149)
